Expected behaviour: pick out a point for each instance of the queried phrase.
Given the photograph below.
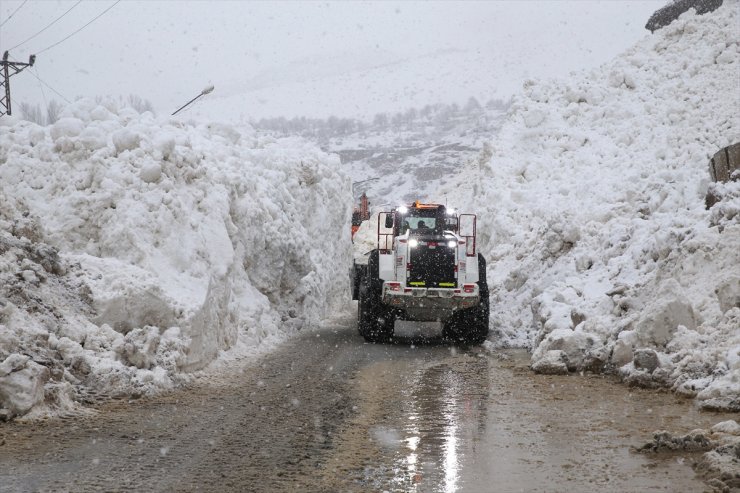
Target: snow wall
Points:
(134, 249)
(591, 214)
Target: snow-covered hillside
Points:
(133, 249)
(420, 54)
(600, 250)
(339, 86)
(400, 165)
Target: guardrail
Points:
(724, 166)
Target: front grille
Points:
(432, 266)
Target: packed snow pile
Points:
(133, 249)
(720, 461)
(366, 238)
(600, 252)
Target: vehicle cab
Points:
(428, 260)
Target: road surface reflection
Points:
(446, 407)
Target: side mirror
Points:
(466, 225)
(389, 221)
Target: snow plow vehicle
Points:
(424, 268)
(360, 214)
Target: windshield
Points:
(421, 221)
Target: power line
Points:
(47, 27)
(80, 29)
(47, 85)
(43, 93)
(14, 12)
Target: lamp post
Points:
(361, 181)
(205, 91)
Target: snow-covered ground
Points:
(135, 249)
(591, 210)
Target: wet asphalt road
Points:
(328, 412)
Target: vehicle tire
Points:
(356, 274)
(370, 308)
(374, 323)
(451, 330)
(477, 321)
(470, 326)
(385, 328)
(479, 317)
(367, 315)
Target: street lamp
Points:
(205, 91)
(361, 181)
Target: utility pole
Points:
(9, 69)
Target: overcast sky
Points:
(310, 58)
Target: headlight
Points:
(403, 209)
(450, 212)
(413, 243)
(452, 244)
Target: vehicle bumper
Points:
(430, 298)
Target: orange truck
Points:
(361, 213)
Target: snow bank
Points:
(133, 249)
(592, 216)
(719, 464)
(366, 238)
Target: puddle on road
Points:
(478, 422)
